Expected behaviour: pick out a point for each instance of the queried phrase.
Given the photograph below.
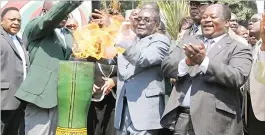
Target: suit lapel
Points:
(219, 46)
(25, 52)
(10, 41)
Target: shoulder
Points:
(157, 37)
(237, 45)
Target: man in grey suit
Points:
(210, 69)
(14, 63)
(140, 86)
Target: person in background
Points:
(233, 25)
(242, 32)
(254, 30)
(255, 86)
(210, 70)
(71, 24)
(233, 22)
(48, 43)
(14, 65)
(197, 7)
(100, 120)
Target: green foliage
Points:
(243, 9)
(173, 12)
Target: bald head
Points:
(47, 5)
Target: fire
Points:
(93, 41)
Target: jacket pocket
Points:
(36, 80)
(152, 92)
(4, 86)
(225, 107)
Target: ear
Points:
(227, 23)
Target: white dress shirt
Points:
(60, 32)
(21, 54)
(193, 70)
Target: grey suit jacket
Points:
(140, 79)
(11, 71)
(215, 103)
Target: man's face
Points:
(254, 24)
(196, 10)
(47, 6)
(146, 23)
(233, 23)
(133, 18)
(71, 24)
(242, 32)
(11, 22)
(213, 22)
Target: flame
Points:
(93, 41)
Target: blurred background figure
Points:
(242, 32)
(254, 30)
(72, 24)
(233, 22)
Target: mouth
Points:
(207, 26)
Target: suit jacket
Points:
(215, 95)
(11, 71)
(233, 35)
(257, 85)
(46, 49)
(140, 79)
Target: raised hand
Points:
(101, 18)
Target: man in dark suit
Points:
(14, 63)
(210, 69)
(48, 43)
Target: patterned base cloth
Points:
(71, 131)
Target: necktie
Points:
(208, 45)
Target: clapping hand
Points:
(262, 31)
(195, 54)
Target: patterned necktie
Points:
(247, 85)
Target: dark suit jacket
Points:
(215, 105)
(46, 49)
(11, 71)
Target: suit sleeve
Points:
(41, 26)
(235, 73)
(170, 64)
(152, 55)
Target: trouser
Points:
(12, 121)
(100, 120)
(39, 121)
(254, 126)
(127, 127)
(183, 123)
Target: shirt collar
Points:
(216, 39)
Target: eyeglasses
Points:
(253, 20)
(145, 19)
(71, 26)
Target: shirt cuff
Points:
(204, 65)
(261, 55)
(183, 68)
